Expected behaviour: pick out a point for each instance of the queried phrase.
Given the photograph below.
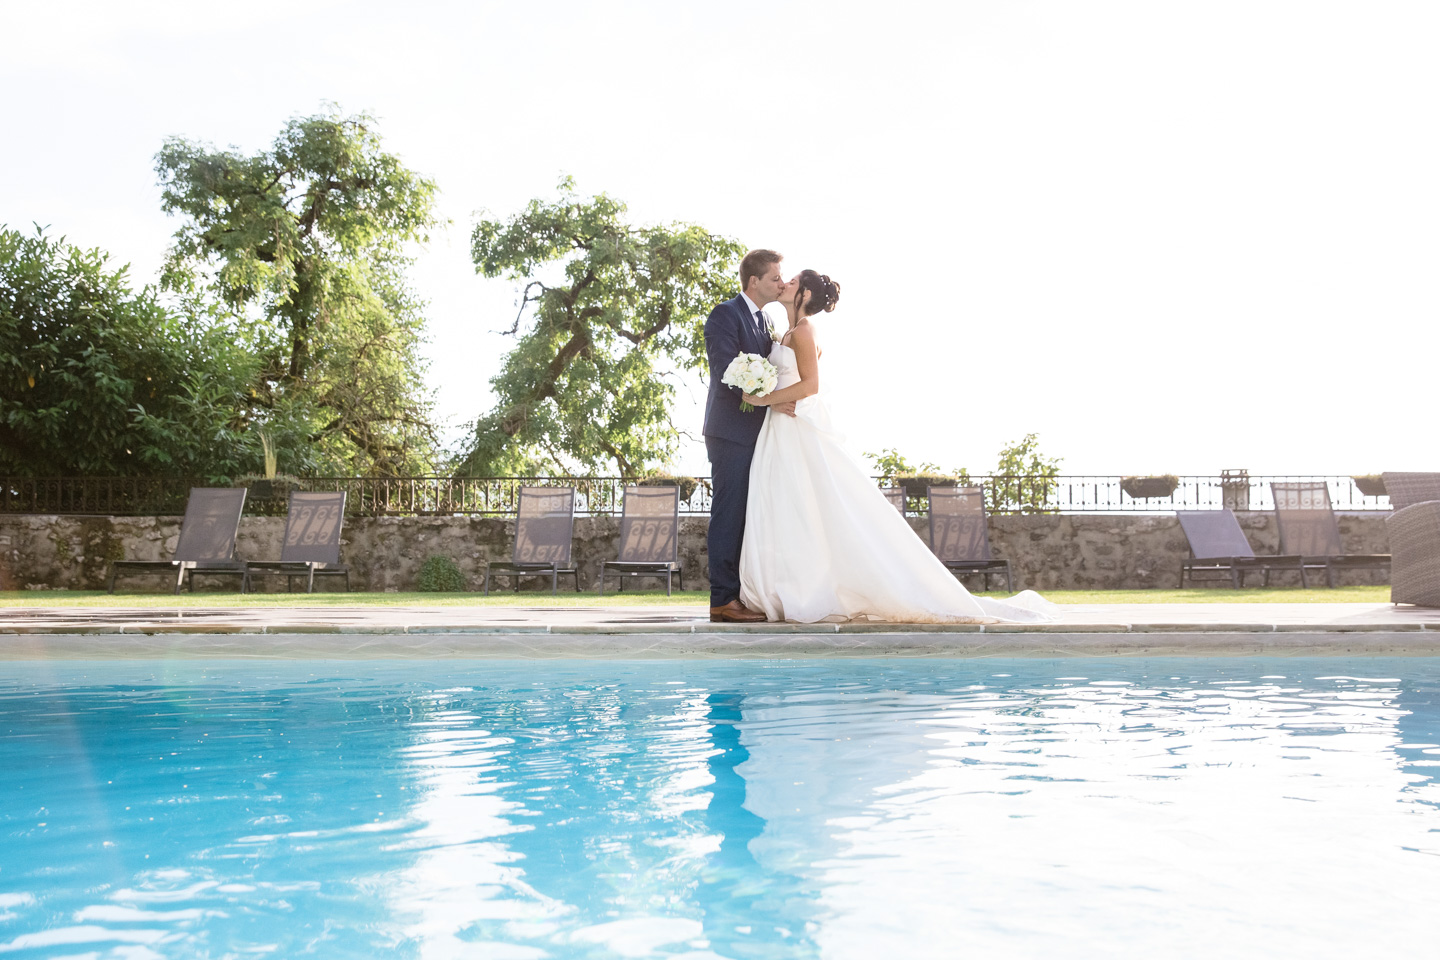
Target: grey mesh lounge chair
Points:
(312, 541)
(1407, 488)
(896, 496)
(1414, 534)
(544, 527)
(1308, 527)
(960, 533)
(649, 537)
(1218, 546)
(207, 541)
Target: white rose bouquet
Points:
(753, 374)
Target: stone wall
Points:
(1115, 551)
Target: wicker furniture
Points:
(1308, 528)
(1218, 546)
(1407, 488)
(544, 529)
(206, 544)
(312, 541)
(1414, 534)
(649, 537)
(960, 533)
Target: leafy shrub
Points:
(438, 574)
(1022, 481)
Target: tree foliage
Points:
(608, 309)
(309, 241)
(1027, 478)
(96, 379)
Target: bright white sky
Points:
(1168, 237)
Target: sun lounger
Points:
(206, 544)
(312, 541)
(1308, 528)
(960, 533)
(1219, 546)
(544, 529)
(649, 537)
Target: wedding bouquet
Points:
(753, 374)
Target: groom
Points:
(736, 326)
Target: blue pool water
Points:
(919, 808)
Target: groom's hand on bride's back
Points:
(787, 408)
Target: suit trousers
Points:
(730, 480)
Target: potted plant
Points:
(1370, 484)
(1141, 488)
(660, 479)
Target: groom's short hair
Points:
(755, 263)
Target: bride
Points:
(821, 541)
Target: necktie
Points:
(760, 322)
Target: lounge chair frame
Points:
(960, 533)
(544, 531)
(649, 537)
(1308, 528)
(206, 544)
(313, 521)
(1218, 546)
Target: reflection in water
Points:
(1048, 813)
(734, 810)
(464, 879)
(748, 910)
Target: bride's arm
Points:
(807, 360)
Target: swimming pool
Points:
(702, 809)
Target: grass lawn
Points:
(689, 598)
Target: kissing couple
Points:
(798, 529)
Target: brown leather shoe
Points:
(735, 612)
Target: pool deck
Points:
(1169, 629)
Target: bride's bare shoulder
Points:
(803, 338)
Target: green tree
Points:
(310, 242)
(607, 309)
(98, 380)
(1024, 478)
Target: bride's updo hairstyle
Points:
(824, 293)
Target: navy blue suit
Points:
(730, 435)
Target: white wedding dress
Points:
(823, 543)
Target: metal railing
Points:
(1102, 494)
(599, 496)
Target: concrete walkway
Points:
(1176, 629)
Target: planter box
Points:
(919, 487)
(1370, 486)
(687, 485)
(1142, 488)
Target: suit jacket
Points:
(729, 332)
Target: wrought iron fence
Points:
(497, 496)
(1102, 494)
